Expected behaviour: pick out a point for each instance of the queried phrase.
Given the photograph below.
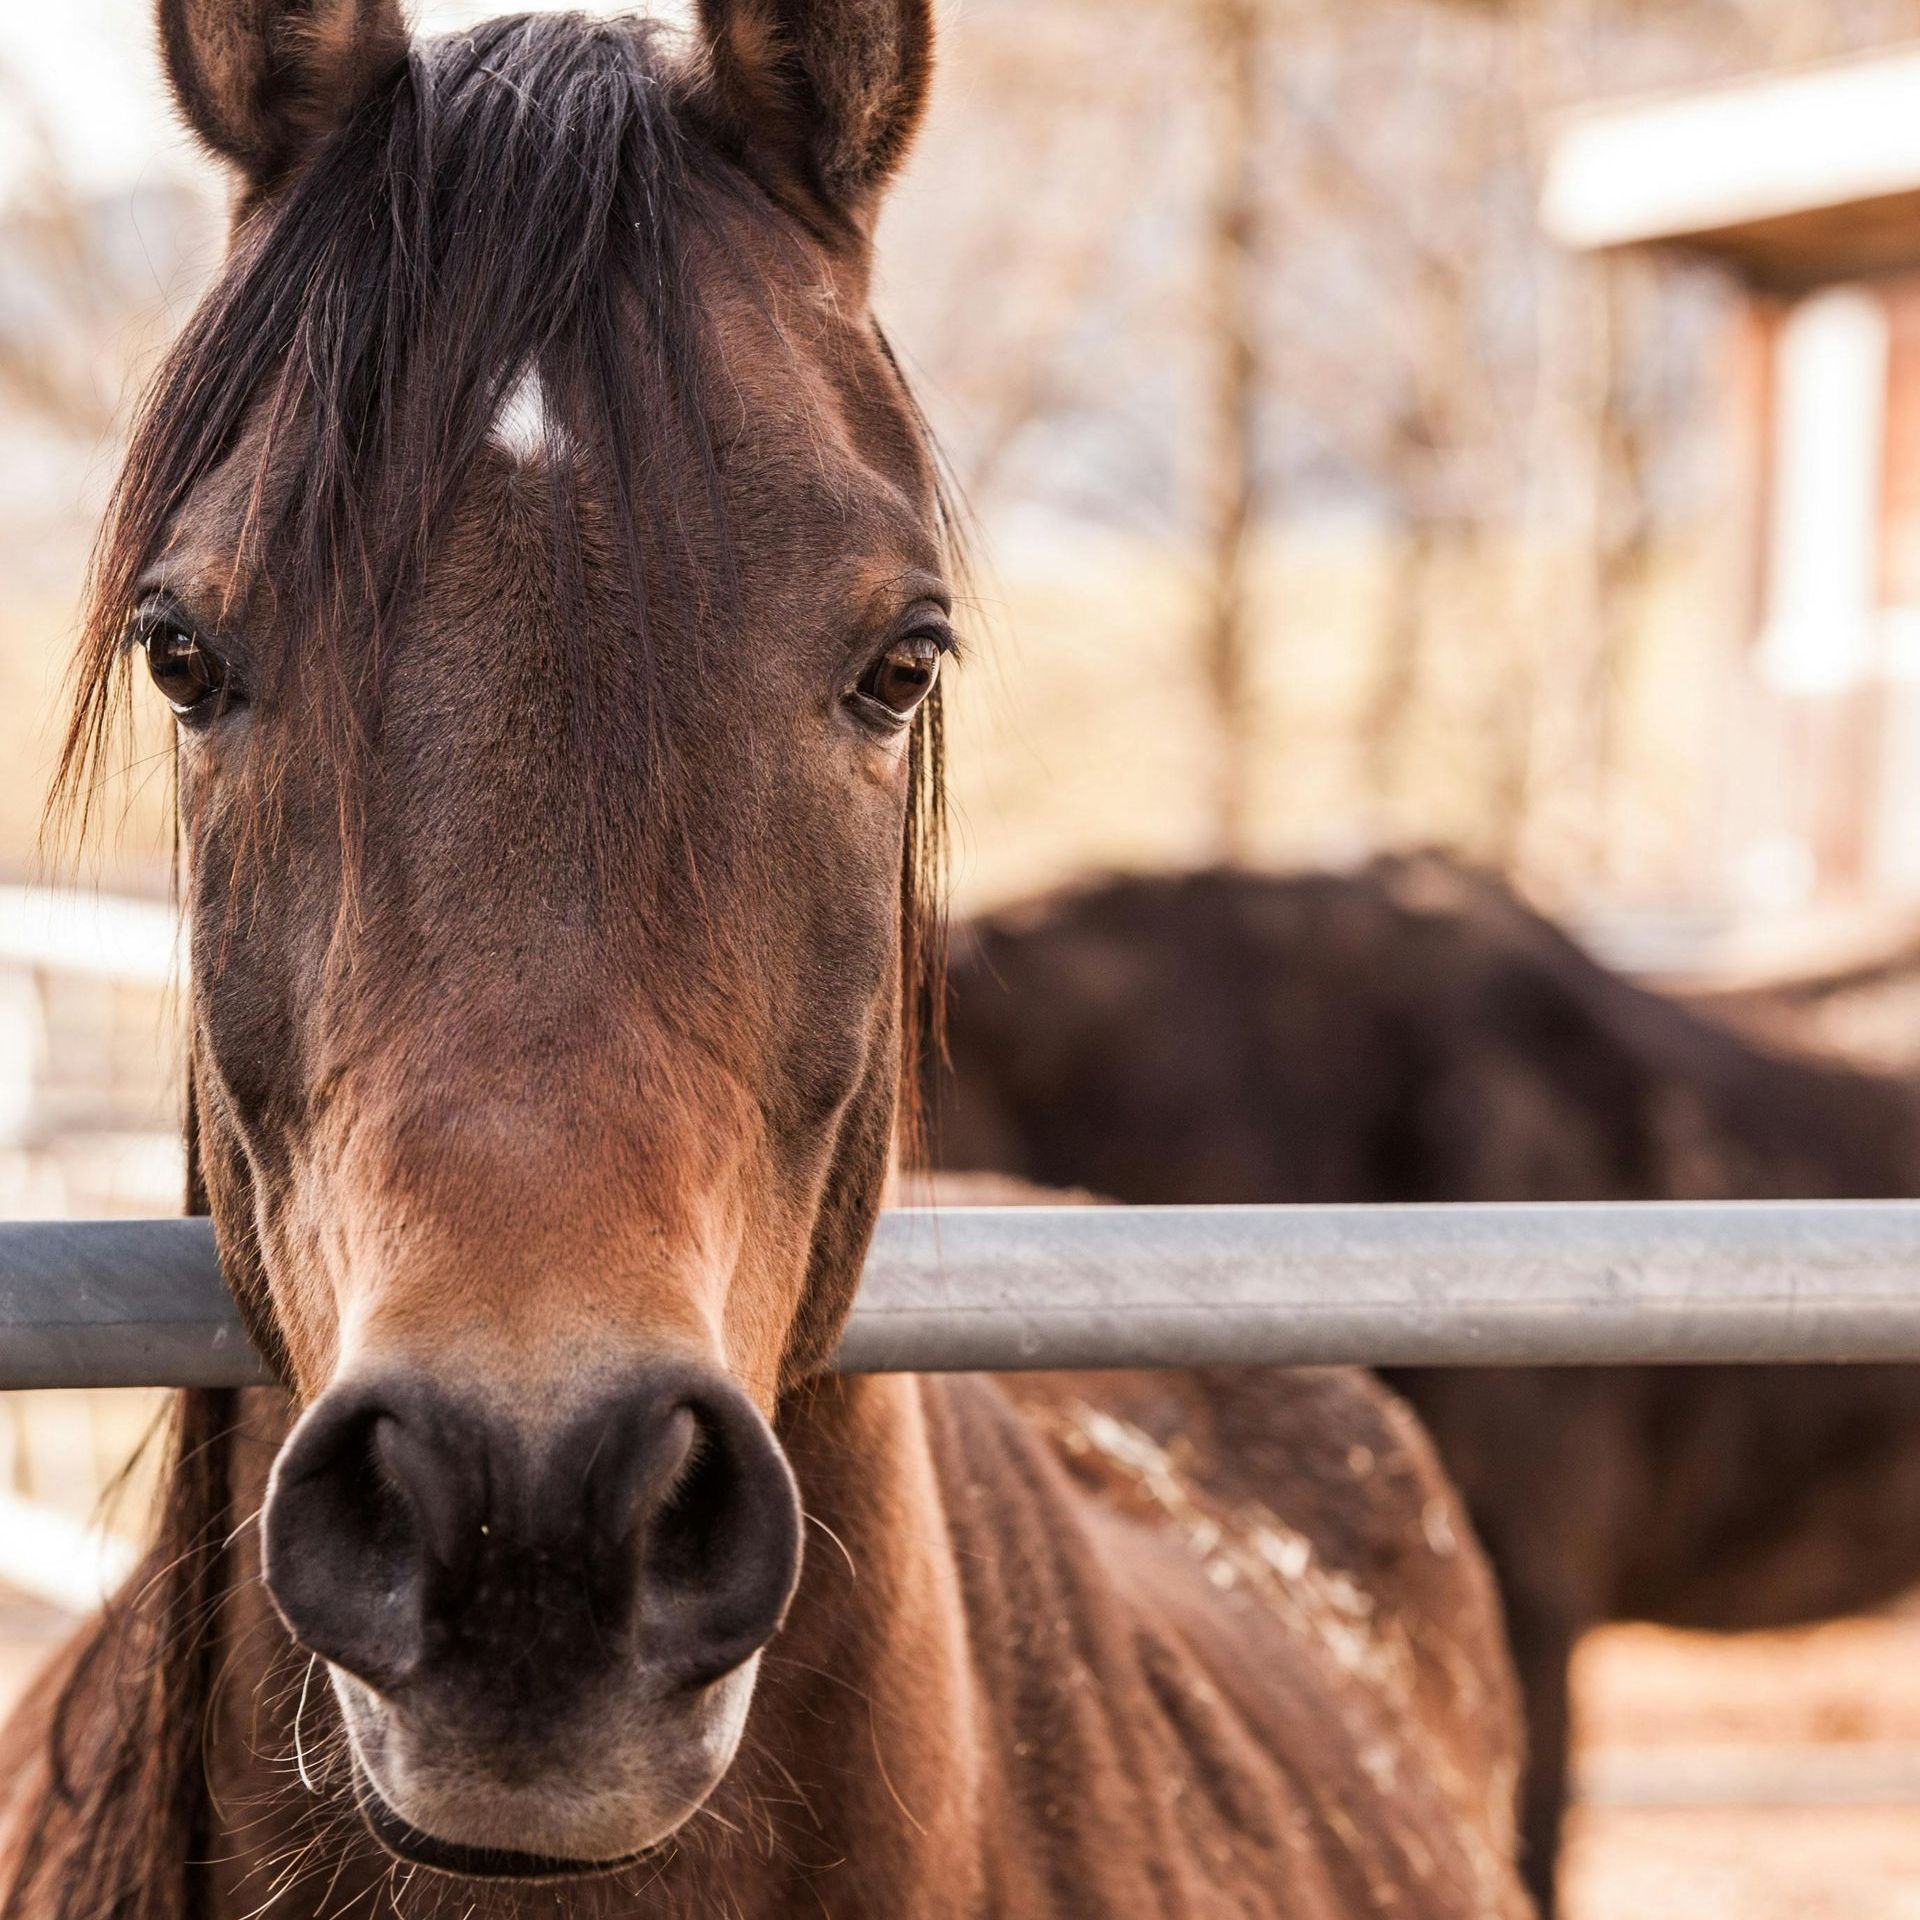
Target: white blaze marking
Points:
(521, 428)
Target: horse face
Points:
(551, 626)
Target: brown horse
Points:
(544, 561)
(1414, 1033)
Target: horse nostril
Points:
(637, 1456)
(691, 1515)
(365, 1499)
(707, 1502)
(445, 1486)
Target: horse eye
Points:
(192, 678)
(903, 676)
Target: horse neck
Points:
(859, 1775)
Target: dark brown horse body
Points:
(1414, 1034)
(543, 559)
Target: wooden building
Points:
(1805, 185)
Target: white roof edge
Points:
(1692, 163)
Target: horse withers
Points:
(544, 562)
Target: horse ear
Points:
(262, 82)
(828, 91)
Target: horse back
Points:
(1240, 1646)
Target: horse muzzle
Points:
(542, 1632)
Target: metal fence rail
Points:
(140, 1303)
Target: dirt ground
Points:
(1770, 1777)
(1775, 1777)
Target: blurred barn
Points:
(1805, 187)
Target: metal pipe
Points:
(120, 1303)
(1562, 1285)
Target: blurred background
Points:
(1389, 423)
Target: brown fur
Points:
(557, 915)
(1414, 1033)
